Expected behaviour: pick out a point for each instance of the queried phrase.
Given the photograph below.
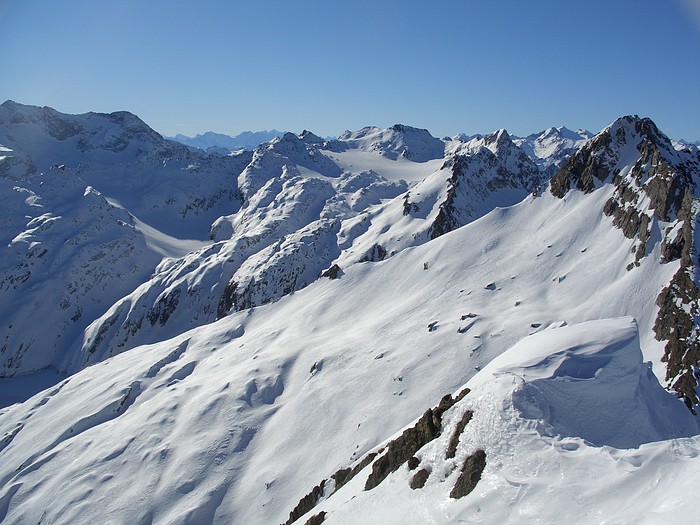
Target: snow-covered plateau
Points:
(381, 328)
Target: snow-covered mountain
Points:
(381, 328)
(211, 141)
(551, 147)
(91, 203)
(397, 141)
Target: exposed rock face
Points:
(419, 478)
(655, 186)
(454, 440)
(316, 519)
(471, 474)
(485, 172)
(400, 450)
(679, 306)
(387, 459)
(307, 503)
(333, 272)
(374, 254)
(596, 160)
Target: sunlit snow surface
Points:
(576, 430)
(235, 421)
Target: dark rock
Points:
(454, 440)
(413, 463)
(461, 395)
(333, 272)
(341, 477)
(446, 220)
(317, 519)
(674, 323)
(419, 478)
(227, 300)
(401, 449)
(375, 253)
(677, 327)
(306, 503)
(470, 475)
(164, 308)
(408, 206)
(581, 169)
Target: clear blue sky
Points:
(329, 65)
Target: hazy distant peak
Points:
(246, 140)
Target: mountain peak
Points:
(310, 138)
(415, 144)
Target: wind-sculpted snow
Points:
(655, 198)
(553, 414)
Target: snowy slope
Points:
(237, 420)
(70, 248)
(306, 209)
(552, 417)
(254, 325)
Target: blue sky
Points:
(446, 65)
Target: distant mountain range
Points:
(220, 142)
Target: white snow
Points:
(228, 422)
(575, 429)
(185, 419)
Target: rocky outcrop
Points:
(340, 477)
(655, 186)
(679, 307)
(484, 173)
(419, 479)
(316, 519)
(454, 440)
(376, 253)
(470, 475)
(595, 161)
(306, 503)
(388, 458)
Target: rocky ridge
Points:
(655, 194)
